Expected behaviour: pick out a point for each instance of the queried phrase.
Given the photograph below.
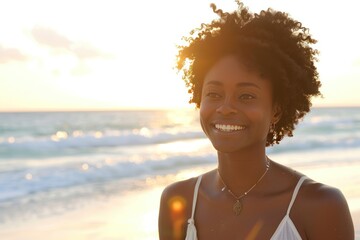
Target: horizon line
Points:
(192, 107)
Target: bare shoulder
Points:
(178, 194)
(180, 188)
(175, 209)
(325, 212)
(320, 197)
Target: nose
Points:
(226, 108)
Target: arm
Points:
(173, 212)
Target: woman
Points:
(252, 76)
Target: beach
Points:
(133, 214)
(100, 175)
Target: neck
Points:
(240, 171)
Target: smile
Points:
(229, 128)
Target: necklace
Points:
(237, 207)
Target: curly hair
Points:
(271, 43)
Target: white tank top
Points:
(285, 231)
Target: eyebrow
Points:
(240, 84)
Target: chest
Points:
(258, 219)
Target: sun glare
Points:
(129, 62)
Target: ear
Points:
(277, 113)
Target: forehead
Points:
(230, 70)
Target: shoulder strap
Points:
(196, 189)
(296, 190)
(191, 229)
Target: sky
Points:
(112, 54)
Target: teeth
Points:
(229, 128)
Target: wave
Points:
(22, 182)
(78, 142)
(66, 134)
(310, 142)
(64, 145)
(25, 180)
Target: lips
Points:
(229, 127)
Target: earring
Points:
(272, 128)
(272, 131)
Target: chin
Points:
(232, 148)
(227, 148)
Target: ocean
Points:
(55, 162)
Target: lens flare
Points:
(177, 206)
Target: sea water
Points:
(53, 162)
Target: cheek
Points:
(203, 116)
(260, 115)
(254, 111)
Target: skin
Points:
(233, 95)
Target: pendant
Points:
(237, 207)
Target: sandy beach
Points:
(133, 214)
(130, 216)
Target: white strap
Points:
(298, 185)
(196, 189)
(191, 233)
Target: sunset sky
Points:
(111, 54)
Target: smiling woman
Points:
(119, 55)
(252, 75)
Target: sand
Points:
(130, 216)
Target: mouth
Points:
(229, 127)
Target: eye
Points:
(213, 95)
(246, 97)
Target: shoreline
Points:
(133, 214)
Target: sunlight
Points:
(129, 62)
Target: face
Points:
(236, 108)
